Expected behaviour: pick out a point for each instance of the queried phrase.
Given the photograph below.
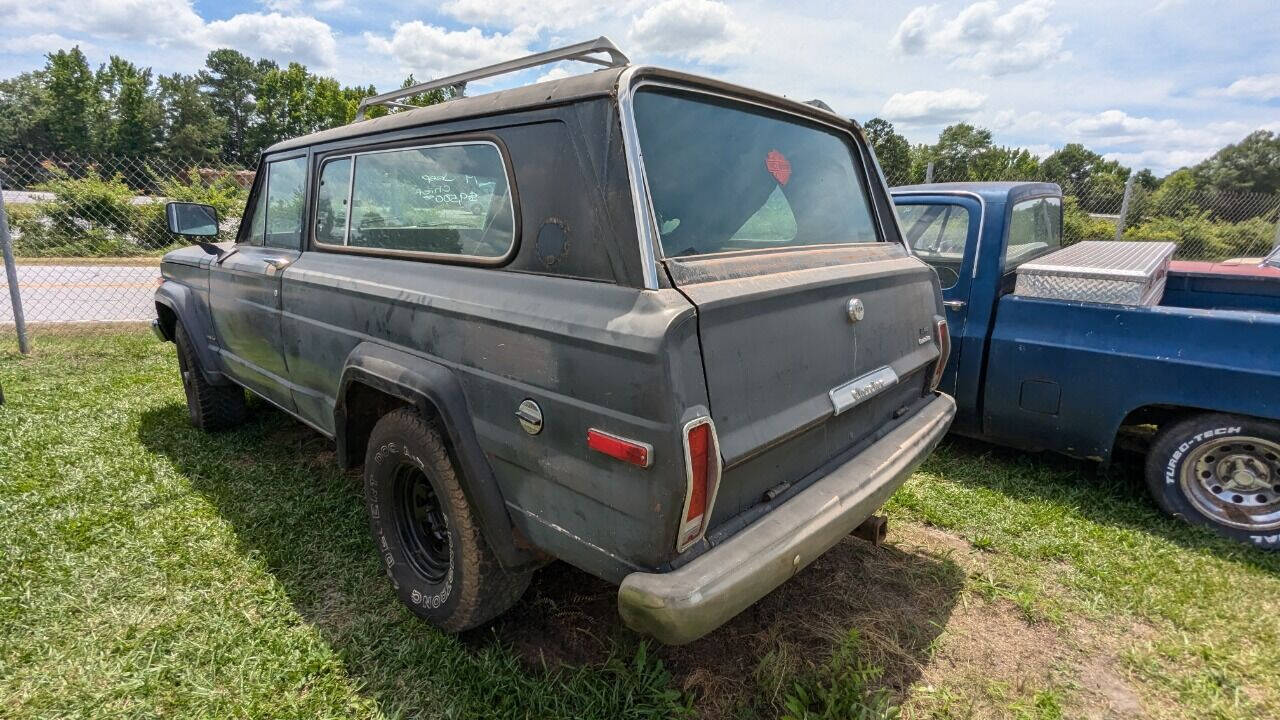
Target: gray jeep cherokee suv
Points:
(659, 327)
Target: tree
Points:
(892, 150)
(1146, 179)
(1251, 165)
(955, 157)
(1076, 166)
(24, 111)
(73, 98)
(191, 129)
(293, 102)
(230, 80)
(128, 116)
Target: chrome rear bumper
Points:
(683, 605)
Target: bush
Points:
(1078, 225)
(1199, 238)
(92, 216)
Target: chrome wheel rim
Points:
(1235, 481)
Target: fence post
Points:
(11, 273)
(928, 173)
(1124, 207)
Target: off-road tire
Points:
(1188, 474)
(469, 587)
(211, 407)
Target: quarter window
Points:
(442, 200)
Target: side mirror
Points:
(192, 219)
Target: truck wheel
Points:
(212, 407)
(1221, 471)
(429, 540)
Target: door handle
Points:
(275, 265)
(954, 304)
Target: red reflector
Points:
(698, 442)
(628, 451)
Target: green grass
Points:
(150, 569)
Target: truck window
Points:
(1035, 228)
(725, 175)
(937, 234)
(286, 181)
(445, 200)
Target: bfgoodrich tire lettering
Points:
(428, 539)
(1220, 471)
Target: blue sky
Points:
(1153, 84)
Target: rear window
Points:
(1035, 228)
(727, 176)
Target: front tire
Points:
(429, 540)
(1223, 472)
(211, 407)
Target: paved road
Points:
(82, 293)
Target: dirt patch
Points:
(897, 599)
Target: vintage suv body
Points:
(689, 372)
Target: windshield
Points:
(728, 176)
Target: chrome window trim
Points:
(641, 197)
(982, 214)
(347, 247)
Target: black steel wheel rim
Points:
(420, 520)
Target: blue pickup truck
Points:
(1197, 368)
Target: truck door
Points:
(942, 230)
(244, 287)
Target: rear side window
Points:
(1035, 228)
(727, 176)
(441, 200)
(937, 235)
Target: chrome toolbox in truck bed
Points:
(1102, 271)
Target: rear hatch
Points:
(816, 334)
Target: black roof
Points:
(551, 92)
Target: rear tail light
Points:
(702, 473)
(942, 336)
(628, 451)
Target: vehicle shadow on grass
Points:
(1117, 496)
(276, 483)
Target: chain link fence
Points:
(88, 233)
(1203, 224)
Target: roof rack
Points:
(582, 52)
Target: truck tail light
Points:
(942, 336)
(628, 451)
(702, 473)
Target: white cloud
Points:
(285, 37)
(1255, 87)
(175, 24)
(430, 51)
(508, 14)
(933, 106)
(1119, 126)
(42, 43)
(698, 30)
(984, 38)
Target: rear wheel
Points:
(1221, 471)
(211, 407)
(430, 542)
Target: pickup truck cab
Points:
(1199, 366)
(657, 326)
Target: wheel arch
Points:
(377, 379)
(176, 303)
